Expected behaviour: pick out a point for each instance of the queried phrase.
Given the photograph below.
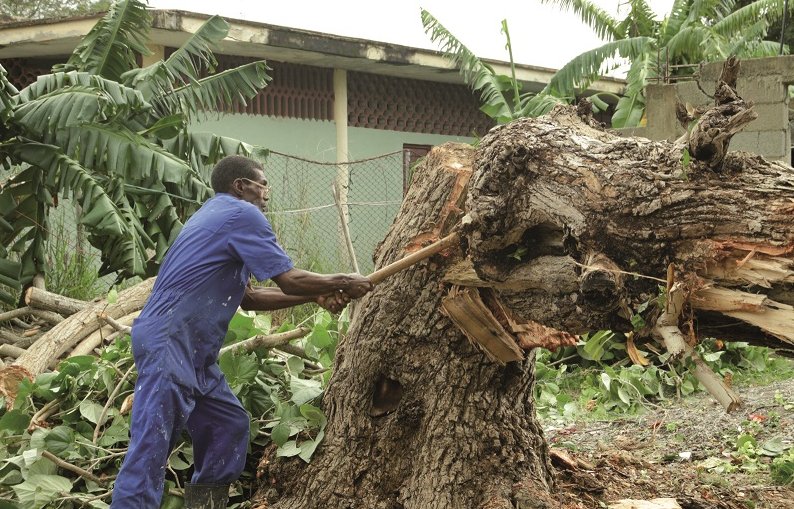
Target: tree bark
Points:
(418, 417)
(569, 228)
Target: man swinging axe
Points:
(177, 337)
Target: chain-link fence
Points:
(303, 212)
(306, 216)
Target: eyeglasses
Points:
(264, 187)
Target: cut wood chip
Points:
(656, 503)
(563, 459)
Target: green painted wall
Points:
(310, 234)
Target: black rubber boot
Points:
(206, 496)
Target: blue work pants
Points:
(216, 421)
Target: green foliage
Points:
(605, 383)
(279, 391)
(36, 9)
(500, 95)
(692, 32)
(114, 139)
(73, 267)
(747, 452)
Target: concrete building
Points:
(332, 99)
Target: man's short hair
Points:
(231, 168)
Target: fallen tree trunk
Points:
(570, 228)
(49, 347)
(42, 299)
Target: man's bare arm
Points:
(304, 283)
(270, 299)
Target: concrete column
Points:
(660, 111)
(342, 180)
(158, 53)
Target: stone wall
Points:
(764, 81)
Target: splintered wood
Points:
(466, 310)
(482, 318)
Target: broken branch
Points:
(667, 329)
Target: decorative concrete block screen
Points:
(400, 104)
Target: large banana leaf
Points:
(111, 224)
(62, 108)
(477, 74)
(48, 83)
(641, 21)
(114, 149)
(737, 21)
(23, 204)
(602, 23)
(219, 91)
(185, 65)
(7, 94)
(203, 150)
(109, 49)
(679, 13)
(690, 42)
(631, 106)
(583, 69)
(535, 105)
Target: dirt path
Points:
(667, 452)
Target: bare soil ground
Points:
(662, 453)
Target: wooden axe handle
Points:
(426, 252)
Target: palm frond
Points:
(109, 49)
(584, 69)
(736, 22)
(219, 91)
(601, 22)
(478, 75)
(185, 65)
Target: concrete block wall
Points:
(764, 81)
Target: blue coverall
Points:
(175, 344)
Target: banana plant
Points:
(114, 138)
(500, 95)
(694, 31)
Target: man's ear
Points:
(236, 189)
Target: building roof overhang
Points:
(54, 37)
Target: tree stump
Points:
(571, 227)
